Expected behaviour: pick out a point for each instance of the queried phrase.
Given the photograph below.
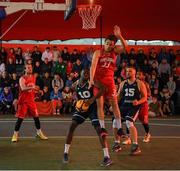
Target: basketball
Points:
(81, 106)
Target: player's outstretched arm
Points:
(117, 33)
(94, 63)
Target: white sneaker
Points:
(147, 138)
(127, 141)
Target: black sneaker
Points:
(116, 147)
(106, 161)
(65, 158)
(120, 132)
(104, 132)
(135, 150)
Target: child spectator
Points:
(67, 100)
(6, 99)
(46, 95)
(155, 108)
(56, 98)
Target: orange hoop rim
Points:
(85, 6)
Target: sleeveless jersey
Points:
(130, 92)
(106, 64)
(83, 92)
(28, 95)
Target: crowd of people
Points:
(57, 69)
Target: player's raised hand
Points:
(117, 31)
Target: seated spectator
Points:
(47, 54)
(46, 66)
(155, 108)
(46, 95)
(67, 100)
(47, 80)
(27, 55)
(11, 66)
(171, 85)
(2, 68)
(3, 55)
(58, 82)
(153, 82)
(37, 67)
(166, 102)
(69, 81)
(77, 67)
(39, 81)
(6, 100)
(56, 54)
(5, 80)
(36, 55)
(19, 61)
(145, 67)
(56, 98)
(65, 55)
(69, 67)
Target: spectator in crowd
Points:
(153, 82)
(27, 55)
(46, 66)
(47, 81)
(11, 54)
(3, 55)
(69, 67)
(11, 66)
(163, 55)
(56, 98)
(145, 67)
(84, 60)
(154, 68)
(172, 56)
(5, 80)
(37, 68)
(74, 56)
(166, 102)
(15, 90)
(67, 100)
(2, 68)
(36, 55)
(77, 67)
(6, 99)
(57, 82)
(65, 55)
(69, 81)
(131, 55)
(39, 81)
(171, 84)
(155, 108)
(47, 54)
(60, 68)
(46, 95)
(56, 54)
(124, 57)
(140, 58)
(19, 61)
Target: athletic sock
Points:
(118, 123)
(66, 148)
(106, 152)
(102, 123)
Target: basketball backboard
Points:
(70, 8)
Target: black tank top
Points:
(130, 92)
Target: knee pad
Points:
(129, 124)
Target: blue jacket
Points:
(7, 98)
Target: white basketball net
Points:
(89, 14)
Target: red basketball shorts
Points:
(143, 113)
(27, 109)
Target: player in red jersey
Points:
(143, 113)
(102, 70)
(26, 104)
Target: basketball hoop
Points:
(89, 14)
